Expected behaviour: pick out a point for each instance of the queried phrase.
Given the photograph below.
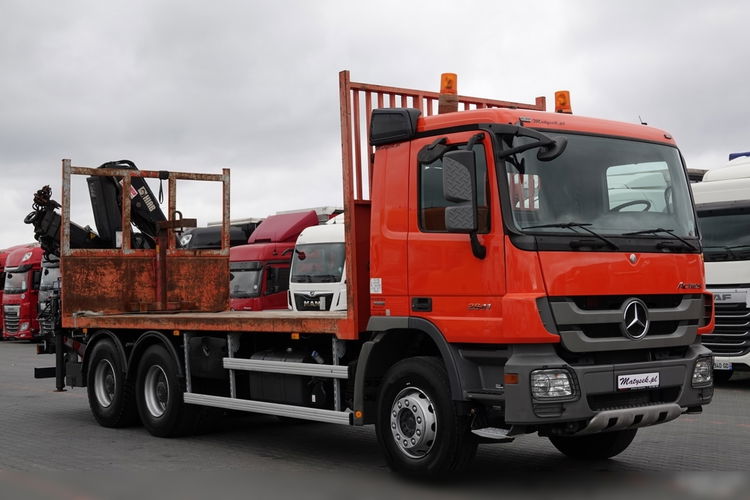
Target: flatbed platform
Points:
(224, 321)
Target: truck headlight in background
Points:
(551, 384)
(24, 326)
(703, 373)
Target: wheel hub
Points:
(105, 383)
(156, 391)
(413, 422)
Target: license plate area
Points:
(637, 381)
(722, 365)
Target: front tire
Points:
(159, 396)
(110, 394)
(595, 446)
(418, 426)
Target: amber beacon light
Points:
(448, 99)
(562, 102)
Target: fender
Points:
(150, 338)
(381, 325)
(96, 337)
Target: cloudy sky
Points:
(201, 85)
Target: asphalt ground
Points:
(51, 447)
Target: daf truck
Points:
(722, 202)
(23, 270)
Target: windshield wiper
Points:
(581, 225)
(301, 278)
(661, 230)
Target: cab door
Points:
(447, 284)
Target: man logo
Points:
(635, 320)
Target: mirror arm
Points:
(479, 250)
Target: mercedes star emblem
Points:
(635, 320)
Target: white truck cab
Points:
(317, 281)
(722, 201)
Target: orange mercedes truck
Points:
(510, 271)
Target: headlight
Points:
(703, 373)
(551, 384)
(24, 326)
(185, 240)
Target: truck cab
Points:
(318, 276)
(50, 287)
(23, 269)
(259, 271)
(722, 202)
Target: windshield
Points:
(611, 186)
(16, 282)
(724, 233)
(49, 277)
(318, 263)
(244, 280)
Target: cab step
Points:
(495, 434)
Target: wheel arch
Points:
(98, 337)
(394, 339)
(145, 341)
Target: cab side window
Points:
(432, 203)
(278, 280)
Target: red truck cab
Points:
(23, 268)
(259, 271)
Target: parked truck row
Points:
(508, 271)
(722, 202)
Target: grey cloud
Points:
(253, 86)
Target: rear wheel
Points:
(159, 396)
(110, 394)
(594, 446)
(418, 427)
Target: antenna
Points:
(641, 120)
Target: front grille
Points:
(633, 399)
(305, 302)
(731, 335)
(12, 320)
(46, 325)
(604, 302)
(602, 316)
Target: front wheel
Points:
(594, 446)
(159, 396)
(418, 427)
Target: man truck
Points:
(318, 276)
(259, 271)
(722, 201)
(493, 290)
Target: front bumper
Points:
(598, 405)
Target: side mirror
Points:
(548, 153)
(459, 186)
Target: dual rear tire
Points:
(154, 397)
